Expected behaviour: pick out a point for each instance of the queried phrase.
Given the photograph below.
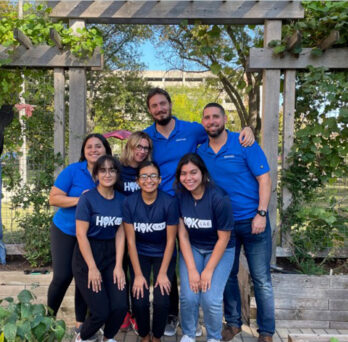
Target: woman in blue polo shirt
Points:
(150, 219)
(206, 247)
(97, 259)
(65, 193)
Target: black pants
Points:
(141, 306)
(174, 296)
(108, 306)
(62, 248)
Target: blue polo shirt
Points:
(184, 138)
(204, 217)
(128, 178)
(104, 215)
(150, 221)
(73, 180)
(235, 168)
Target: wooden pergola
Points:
(267, 13)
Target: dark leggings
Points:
(141, 306)
(108, 306)
(62, 248)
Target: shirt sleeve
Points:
(223, 213)
(83, 209)
(126, 212)
(173, 212)
(202, 136)
(65, 179)
(256, 159)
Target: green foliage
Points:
(316, 220)
(36, 24)
(25, 321)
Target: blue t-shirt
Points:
(184, 138)
(128, 177)
(204, 217)
(150, 221)
(104, 215)
(73, 180)
(235, 168)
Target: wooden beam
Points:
(22, 38)
(288, 137)
(316, 337)
(330, 40)
(293, 40)
(263, 58)
(59, 116)
(45, 56)
(174, 12)
(270, 124)
(55, 37)
(77, 104)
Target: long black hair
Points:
(115, 164)
(98, 136)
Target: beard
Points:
(216, 133)
(164, 121)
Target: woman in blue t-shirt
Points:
(206, 247)
(65, 193)
(97, 259)
(150, 218)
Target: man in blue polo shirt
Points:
(172, 138)
(244, 173)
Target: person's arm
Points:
(246, 137)
(259, 223)
(60, 199)
(218, 251)
(162, 279)
(139, 279)
(119, 276)
(94, 276)
(186, 250)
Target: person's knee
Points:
(140, 304)
(210, 300)
(61, 280)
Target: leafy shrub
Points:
(24, 321)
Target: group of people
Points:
(201, 183)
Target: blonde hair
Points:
(134, 139)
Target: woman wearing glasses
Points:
(150, 219)
(97, 259)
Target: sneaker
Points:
(213, 340)
(94, 338)
(171, 326)
(134, 324)
(126, 325)
(186, 338)
(265, 338)
(228, 332)
(199, 330)
(110, 340)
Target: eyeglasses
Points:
(144, 176)
(105, 171)
(142, 148)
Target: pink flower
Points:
(27, 107)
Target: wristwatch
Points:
(262, 213)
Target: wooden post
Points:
(270, 124)
(59, 116)
(77, 104)
(288, 135)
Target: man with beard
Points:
(243, 172)
(172, 138)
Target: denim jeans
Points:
(258, 250)
(211, 301)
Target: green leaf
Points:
(25, 310)
(59, 332)
(279, 49)
(316, 52)
(25, 296)
(215, 68)
(10, 331)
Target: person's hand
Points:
(258, 224)
(246, 137)
(94, 279)
(119, 278)
(206, 276)
(164, 283)
(194, 280)
(138, 286)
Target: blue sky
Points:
(149, 58)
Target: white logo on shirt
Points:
(105, 221)
(149, 227)
(131, 186)
(197, 223)
(181, 139)
(229, 156)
